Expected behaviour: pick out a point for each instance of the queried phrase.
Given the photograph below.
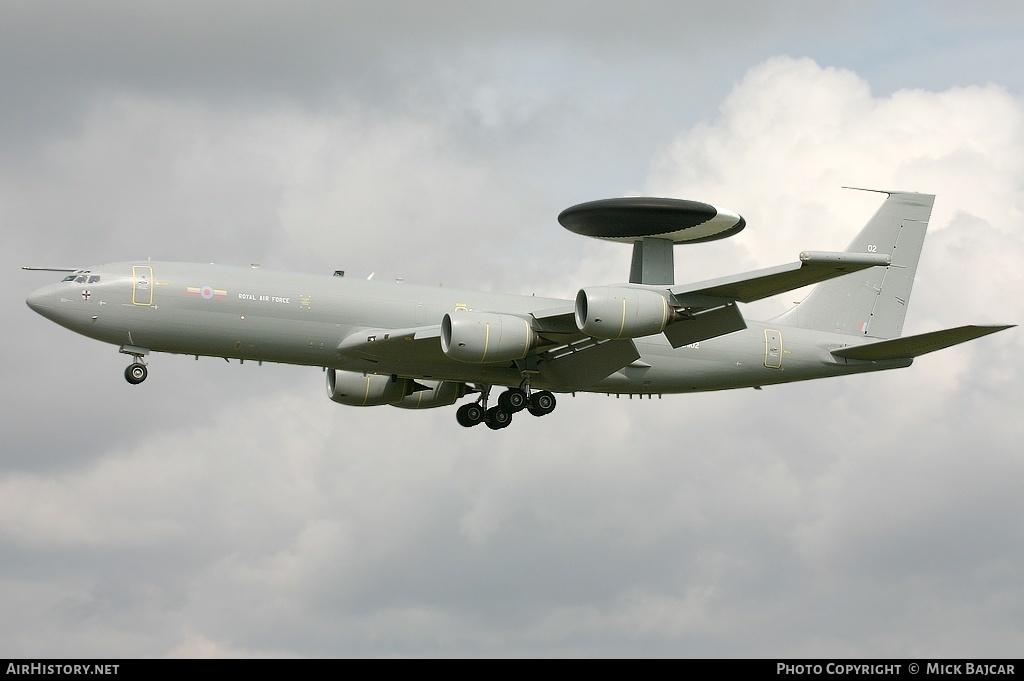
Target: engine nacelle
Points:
(442, 394)
(621, 312)
(485, 338)
(366, 390)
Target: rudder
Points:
(872, 302)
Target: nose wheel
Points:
(136, 373)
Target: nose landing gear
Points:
(137, 371)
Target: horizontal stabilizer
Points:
(914, 346)
(814, 267)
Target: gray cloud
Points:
(231, 510)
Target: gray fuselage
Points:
(261, 315)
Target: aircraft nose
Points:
(40, 300)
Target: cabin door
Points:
(772, 349)
(142, 285)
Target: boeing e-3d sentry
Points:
(423, 347)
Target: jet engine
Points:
(483, 337)
(440, 394)
(622, 312)
(366, 390)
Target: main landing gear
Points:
(509, 402)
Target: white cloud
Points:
(791, 133)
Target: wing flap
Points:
(914, 346)
(580, 365)
(704, 325)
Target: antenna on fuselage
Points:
(50, 269)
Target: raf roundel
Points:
(635, 218)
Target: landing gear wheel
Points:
(469, 415)
(136, 373)
(513, 400)
(541, 403)
(497, 418)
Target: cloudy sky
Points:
(226, 510)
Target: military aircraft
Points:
(423, 347)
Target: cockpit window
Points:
(94, 278)
(70, 277)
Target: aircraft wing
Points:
(569, 359)
(710, 308)
(556, 324)
(813, 267)
(914, 346)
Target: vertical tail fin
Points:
(872, 302)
